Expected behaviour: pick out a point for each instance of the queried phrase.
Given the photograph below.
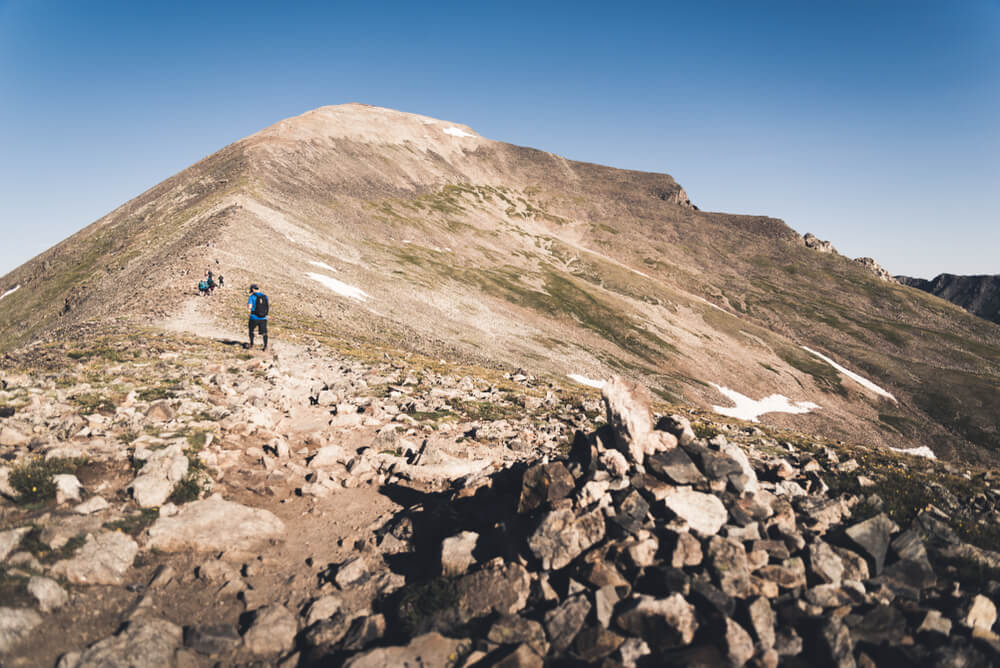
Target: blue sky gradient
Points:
(874, 124)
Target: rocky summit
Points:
(516, 411)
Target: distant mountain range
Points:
(979, 295)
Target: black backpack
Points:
(261, 306)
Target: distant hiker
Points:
(221, 281)
(258, 306)
(203, 288)
(210, 280)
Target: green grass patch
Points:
(421, 602)
(33, 543)
(32, 479)
(825, 375)
(93, 402)
(134, 524)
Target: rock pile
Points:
(648, 546)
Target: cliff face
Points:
(979, 295)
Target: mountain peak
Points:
(375, 125)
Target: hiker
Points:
(210, 280)
(258, 305)
(203, 288)
(221, 281)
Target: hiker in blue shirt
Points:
(258, 306)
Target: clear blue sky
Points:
(874, 124)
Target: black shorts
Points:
(259, 325)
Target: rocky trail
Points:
(169, 499)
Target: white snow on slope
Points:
(11, 291)
(922, 451)
(583, 380)
(863, 382)
(341, 288)
(457, 132)
(322, 265)
(750, 409)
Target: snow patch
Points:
(341, 288)
(583, 380)
(863, 382)
(457, 132)
(11, 291)
(750, 409)
(322, 265)
(922, 451)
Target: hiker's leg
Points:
(263, 332)
(251, 332)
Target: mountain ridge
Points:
(491, 251)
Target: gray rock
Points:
(563, 623)
(47, 592)
(149, 643)
(514, 630)
(679, 426)
(666, 623)
(327, 457)
(430, 649)
(363, 632)
(675, 466)
(935, 623)
(627, 407)
(214, 524)
(498, 588)
(605, 600)
(686, 551)
(104, 559)
(872, 536)
(762, 619)
(594, 643)
(352, 571)
(212, 639)
(833, 644)
(9, 540)
(68, 488)
(704, 513)
(160, 411)
(981, 613)
(746, 480)
(272, 632)
(739, 645)
(824, 563)
(456, 553)
(544, 483)
(730, 569)
(92, 505)
(322, 608)
(16, 625)
(159, 475)
(562, 536)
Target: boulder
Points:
(981, 613)
(514, 630)
(595, 643)
(544, 483)
(679, 426)
(872, 536)
(327, 457)
(159, 475)
(498, 588)
(675, 466)
(212, 640)
(68, 488)
(214, 524)
(563, 623)
(704, 513)
(10, 539)
(628, 414)
(730, 569)
(824, 563)
(160, 411)
(104, 559)
(738, 643)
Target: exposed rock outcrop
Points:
(979, 295)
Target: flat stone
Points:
(738, 643)
(214, 524)
(92, 505)
(704, 513)
(686, 551)
(515, 630)
(16, 626)
(149, 643)
(430, 649)
(47, 592)
(272, 632)
(322, 608)
(327, 457)
(104, 559)
(762, 620)
(352, 571)
(824, 563)
(936, 623)
(562, 536)
(498, 588)
(595, 643)
(159, 475)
